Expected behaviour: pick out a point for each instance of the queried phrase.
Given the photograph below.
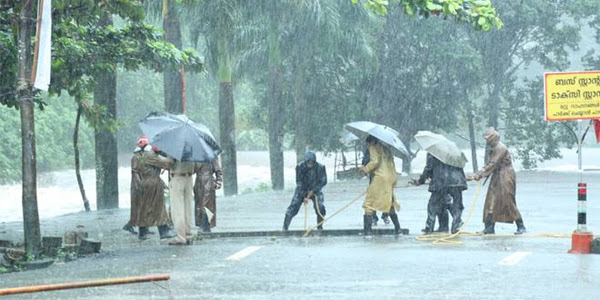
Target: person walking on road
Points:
(209, 178)
(500, 202)
(147, 191)
(380, 193)
(311, 177)
(447, 182)
(384, 216)
(182, 196)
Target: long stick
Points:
(335, 213)
(76, 285)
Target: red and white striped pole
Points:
(581, 239)
(581, 207)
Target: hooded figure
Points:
(500, 203)
(209, 178)
(311, 177)
(147, 190)
(447, 182)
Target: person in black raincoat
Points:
(445, 180)
(311, 177)
(384, 216)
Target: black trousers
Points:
(437, 205)
(298, 199)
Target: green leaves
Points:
(479, 13)
(85, 45)
(379, 7)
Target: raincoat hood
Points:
(310, 156)
(492, 136)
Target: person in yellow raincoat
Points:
(380, 193)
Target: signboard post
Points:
(574, 96)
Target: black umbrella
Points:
(180, 137)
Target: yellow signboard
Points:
(572, 95)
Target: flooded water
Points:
(59, 194)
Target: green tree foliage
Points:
(83, 48)
(54, 131)
(419, 83)
(480, 13)
(406, 63)
(531, 36)
(528, 133)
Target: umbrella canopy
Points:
(180, 137)
(442, 148)
(348, 137)
(387, 135)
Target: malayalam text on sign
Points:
(572, 95)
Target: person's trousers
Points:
(298, 199)
(457, 207)
(182, 196)
(435, 206)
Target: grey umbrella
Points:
(442, 148)
(180, 137)
(385, 134)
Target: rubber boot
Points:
(319, 219)
(456, 225)
(286, 222)
(205, 224)
(394, 218)
(457, 221)
(367, 229)
(143, 233)
(489, 225)
(520, 226)
(129, 229)
(164, 232)
(443, 220)
(429, 224)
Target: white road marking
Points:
(243, 253)
(514, 258)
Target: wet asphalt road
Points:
(533, 266)
(335, 268)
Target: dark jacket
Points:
(442, 176)
(366, 157)
(310, 179)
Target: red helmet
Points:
(142, 141)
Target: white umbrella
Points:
(348, 137)
(442, 148)
(385, 134)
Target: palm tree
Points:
(173, 78)
(291, 41)
(217, 22)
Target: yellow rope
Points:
(335, 213)
(446, 239)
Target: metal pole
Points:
(75, 285)
(579, 156)
(581, 188)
